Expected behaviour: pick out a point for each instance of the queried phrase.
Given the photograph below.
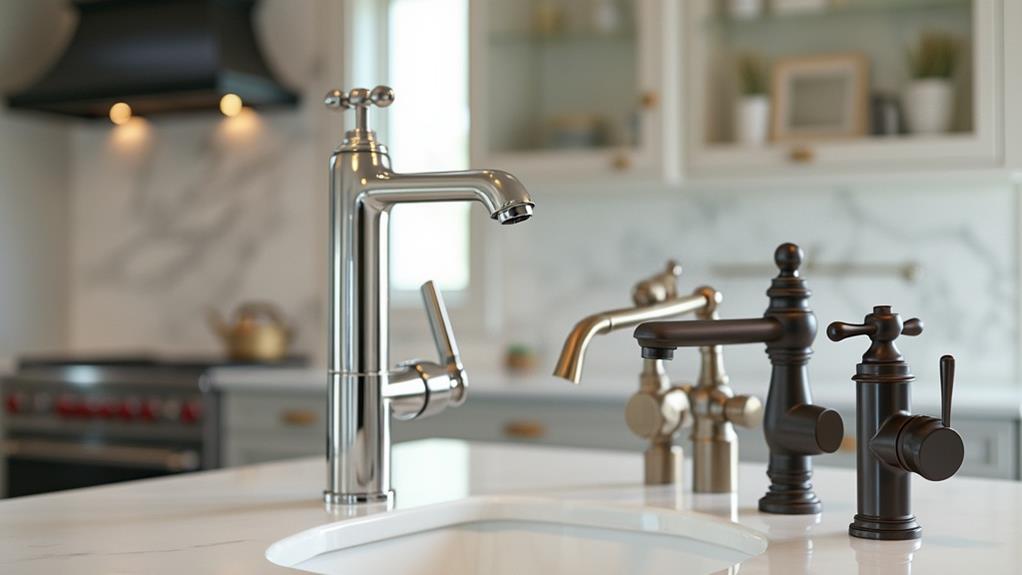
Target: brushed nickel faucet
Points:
(658, 410)
(892, 444)
(363, 389)
(794, 428)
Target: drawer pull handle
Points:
(524, 430)
(298, 417)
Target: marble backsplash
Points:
(187, 216)
(961, 241)
(199, 217)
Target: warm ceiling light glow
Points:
(230, 105)
(120, 113)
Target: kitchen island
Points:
(223, 521)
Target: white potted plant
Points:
(752, 110)
(929, 99)
(745, 9)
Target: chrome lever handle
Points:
(443, 337)
(440, 324)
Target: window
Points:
(428, 131)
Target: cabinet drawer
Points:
(275, 413)
(991, 447)
(576, 424)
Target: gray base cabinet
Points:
(265, 426)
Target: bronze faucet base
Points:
(790, 492)
(879, 529)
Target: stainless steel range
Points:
(77, 422)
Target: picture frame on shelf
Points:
(820, 97)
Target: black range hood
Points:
(158, 56)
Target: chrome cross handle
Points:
(360, 99)
(423, 388)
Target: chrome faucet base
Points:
(879, 529)
(343, 499)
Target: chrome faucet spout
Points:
(502, 194)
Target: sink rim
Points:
(348, 533)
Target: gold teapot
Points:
(257, 332)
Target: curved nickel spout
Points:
(569, 364)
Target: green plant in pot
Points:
(929, 99)
(752, 110)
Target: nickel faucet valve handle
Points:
(360, 99)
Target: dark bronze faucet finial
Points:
(788, 258)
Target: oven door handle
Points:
(122, 455)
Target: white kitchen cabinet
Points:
(262, 425)
(574, 90)
(879, 30)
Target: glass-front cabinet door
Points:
(824, 86)
(569, 89)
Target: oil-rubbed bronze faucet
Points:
(795, 429)
(892, 444)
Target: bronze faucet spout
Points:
(659, 339)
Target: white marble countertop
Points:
(221, 522)
(995, 399)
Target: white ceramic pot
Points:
(745, 8)
(752, 120)
(929, 104)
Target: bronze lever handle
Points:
(947, 382)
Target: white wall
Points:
(176, 215)
(34, 178)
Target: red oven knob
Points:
(12, 403)
(107, 409)
(65, 406)
(126, 409)
(149, 410)
(191, 411)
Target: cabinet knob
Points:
(298, 417)
(524, 429)
(801, 155)
(621, 161)
(649, 100)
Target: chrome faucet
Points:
(658, 410)
(364, 390)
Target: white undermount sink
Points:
(511, 535)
